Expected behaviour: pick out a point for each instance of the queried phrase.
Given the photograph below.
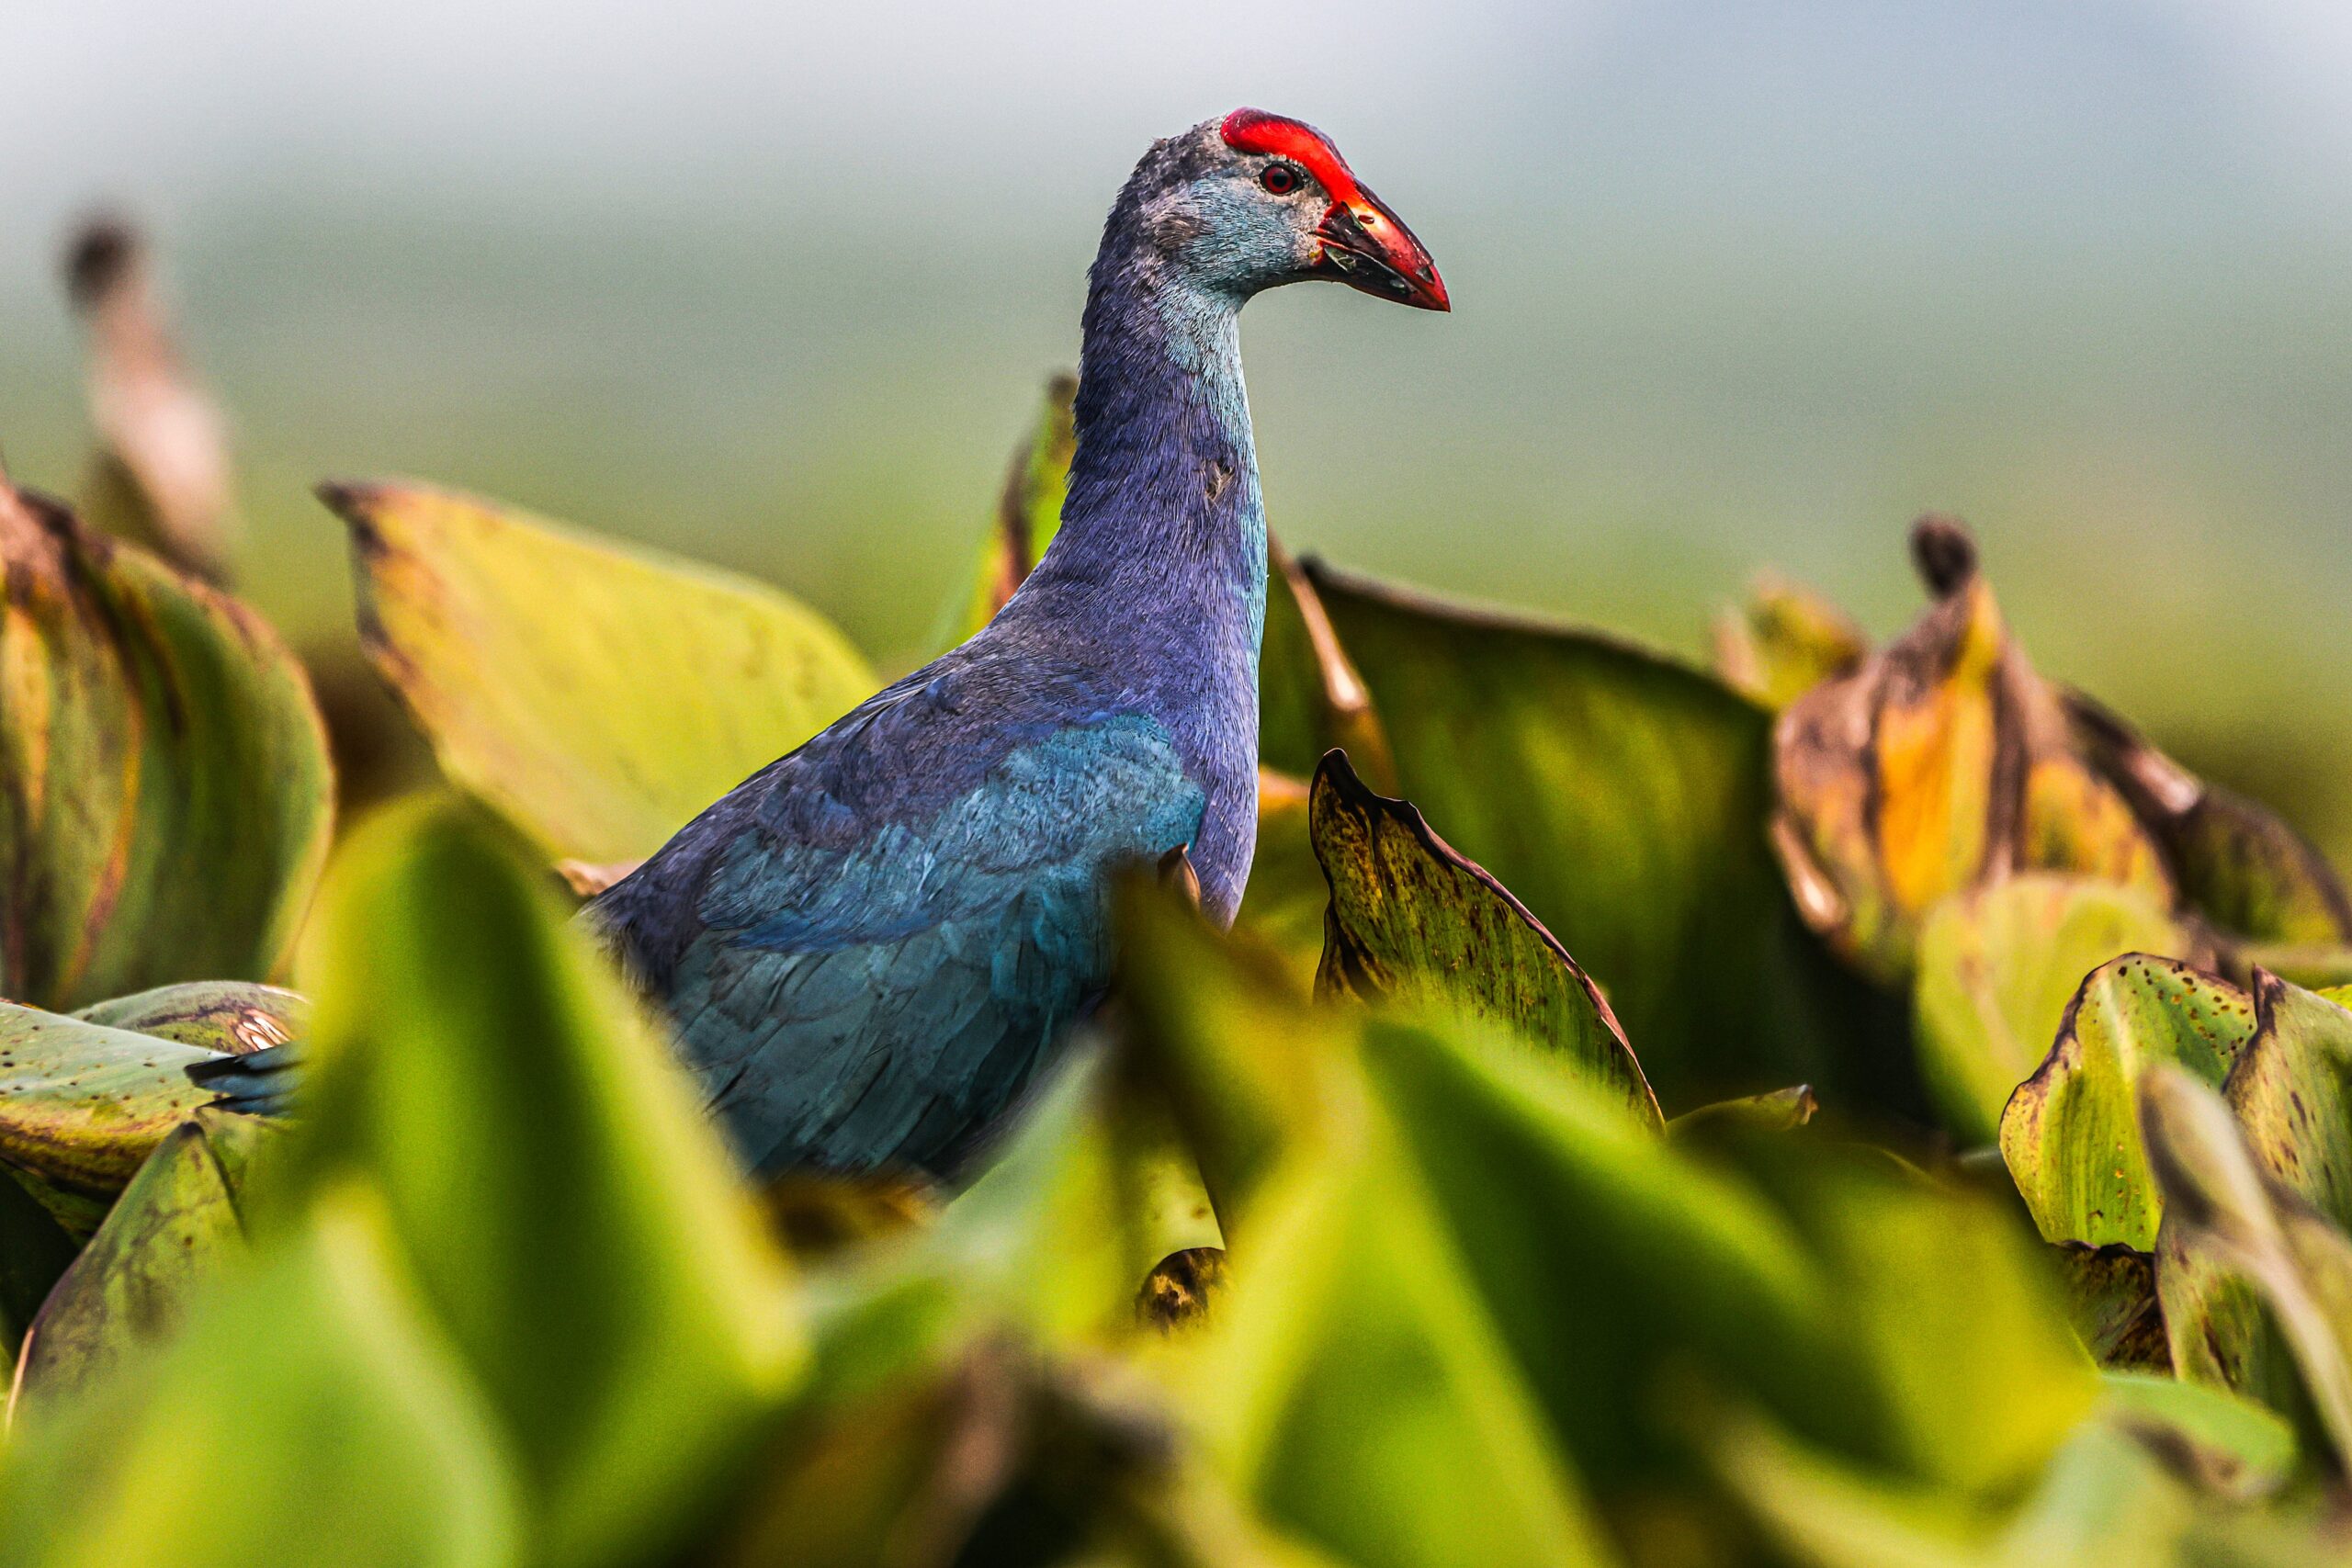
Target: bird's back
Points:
(866, 948)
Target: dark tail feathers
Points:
(260, 1083)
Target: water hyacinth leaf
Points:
(596, 693)
(1091, 1190)
(1782, 1110)
(1998, 969)
(232, 1017)
(1414, 922)
(2291, 1089)
(1784, 639)
(569, 1217)
(308, 1413)
(1219, 1027)
(1942, 763)
(170, 792)
(1890, 1320)
(82, 1106)
(2244, 1264)
(2240, 864)
(1623, 796)
(162, 478)
(2070, 1135)
(1382, 1423)
(174, 1228)
(1949, 1300)
(1028, 512)
(2234, 1446)
(2111, 1299)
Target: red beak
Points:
(1366, 246)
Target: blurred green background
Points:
(1735, 286)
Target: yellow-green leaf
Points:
(169, 796)
(82, 1106)
(2070, 1135)
(598, 695)
(569, 1217)
(174, 1229)
(1784, 639)
(2291, 1089)
(307, 1413)
(1997, 969)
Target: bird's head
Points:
(1256, 200)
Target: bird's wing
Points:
(865, 950)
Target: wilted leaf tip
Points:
(1945, 553)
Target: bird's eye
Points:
(1281, 179)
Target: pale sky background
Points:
(1736, 284)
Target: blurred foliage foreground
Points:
(1936, 1151)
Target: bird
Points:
(870, 949)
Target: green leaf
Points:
(569, 1217)
(1362, 1399)
(2235, 1446)
(598, 695)
(2071, 1132)
(1782, 1110)
(1943, 763)
(1222, 1029)
(232, 1017)
(2291, 1088)
(2254, 1279)
(170, 796)
(1784, 639)
(1414, 922)
(173, 1229)
(1883, 1316)
(1623, 797)
(83, 1106)
(1998, 969)
(308, 1414)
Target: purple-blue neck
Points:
(1163, 512)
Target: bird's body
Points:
(870, 947)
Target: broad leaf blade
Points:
(174, 1229)
(2291, 1089)
(308, 1414)
(232, 1017)
(1623, 796)
(598, 695)
(2070, 1135)
(170, 792)
(1415, 922)
(568, 1214)
(83, 1106)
